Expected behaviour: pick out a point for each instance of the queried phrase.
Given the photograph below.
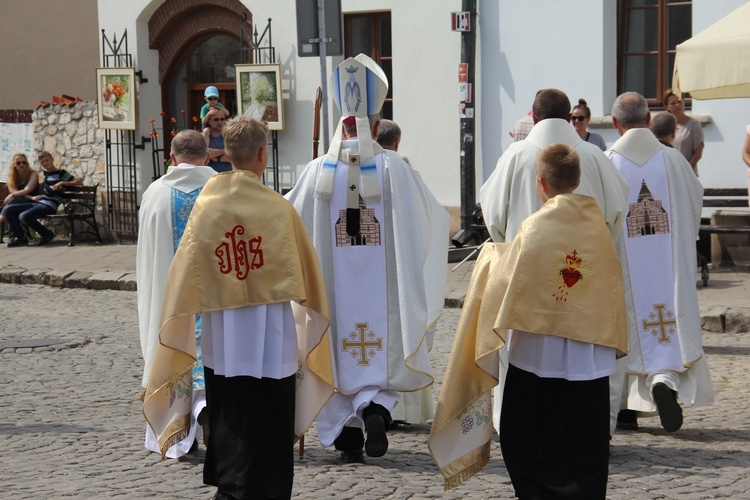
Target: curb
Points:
(107, 280)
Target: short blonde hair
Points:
(560, 166)
(243, 137)
(44, 154)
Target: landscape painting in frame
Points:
(259, 93)
(116, 98)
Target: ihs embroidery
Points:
(570, 276)
(239, 255)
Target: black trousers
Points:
(554, 435)
(250, 451)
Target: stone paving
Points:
(71, 422)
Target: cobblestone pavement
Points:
(71, 425)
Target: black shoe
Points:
(46, 239)
(669, 409)
(627, 420)
(18, 243)
(376, 443)
(353, 457)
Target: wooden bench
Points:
(724, 198)
(79, 205)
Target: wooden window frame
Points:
(662, 51)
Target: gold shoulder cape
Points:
(244, 245)
(560, 276)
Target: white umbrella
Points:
(715, 63)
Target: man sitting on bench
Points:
(28, 214)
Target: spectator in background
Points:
(389, 137)
(23, 182)
(211, 96)
(663, 126)
(746, 155)
(28, 214)
(217, 158)
(689, 135)
(580, 118)
(522, 127)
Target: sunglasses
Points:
(218, 119)
(212, 98)
(19, 163)
(577, 118)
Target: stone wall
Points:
(72, 135)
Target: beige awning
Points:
(715, 63)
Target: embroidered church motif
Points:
(359, 345)
(662, 324)
(647, 216)
(570, 276)
(475, 416)
(241, 256)
(369, 228)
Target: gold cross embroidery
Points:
(362, 344)
(663, 326)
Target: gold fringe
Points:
(466, 474)
(176, 437)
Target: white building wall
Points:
(522, 47)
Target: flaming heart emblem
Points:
(570, 275)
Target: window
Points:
(650, 30)
(370, 34)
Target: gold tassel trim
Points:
(176, 437)
(466, 474)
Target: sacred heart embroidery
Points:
(570, 275)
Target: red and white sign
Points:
(460, 21)
(463, 72)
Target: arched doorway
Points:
(207, 60)
(199, 42)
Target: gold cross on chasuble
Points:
(661, 327)
(366, 348)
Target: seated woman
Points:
(580, 118)
(23, 182)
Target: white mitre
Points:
(358, 87)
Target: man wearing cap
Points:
(211, 96)
(381, 238)
(165, 208)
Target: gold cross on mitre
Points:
(662, 326)
(362, 344)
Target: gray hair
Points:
(389, 133)
(663, 124)
(630, 110)
(189, 144)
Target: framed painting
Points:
(259, 93)
(116, 94)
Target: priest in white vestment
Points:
(666, 365)
(382, 241)
(165, 208)
(509, 196)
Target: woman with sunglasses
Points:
(580, 118)
(23, 182)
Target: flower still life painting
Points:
(260, 95)
(116, 98)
